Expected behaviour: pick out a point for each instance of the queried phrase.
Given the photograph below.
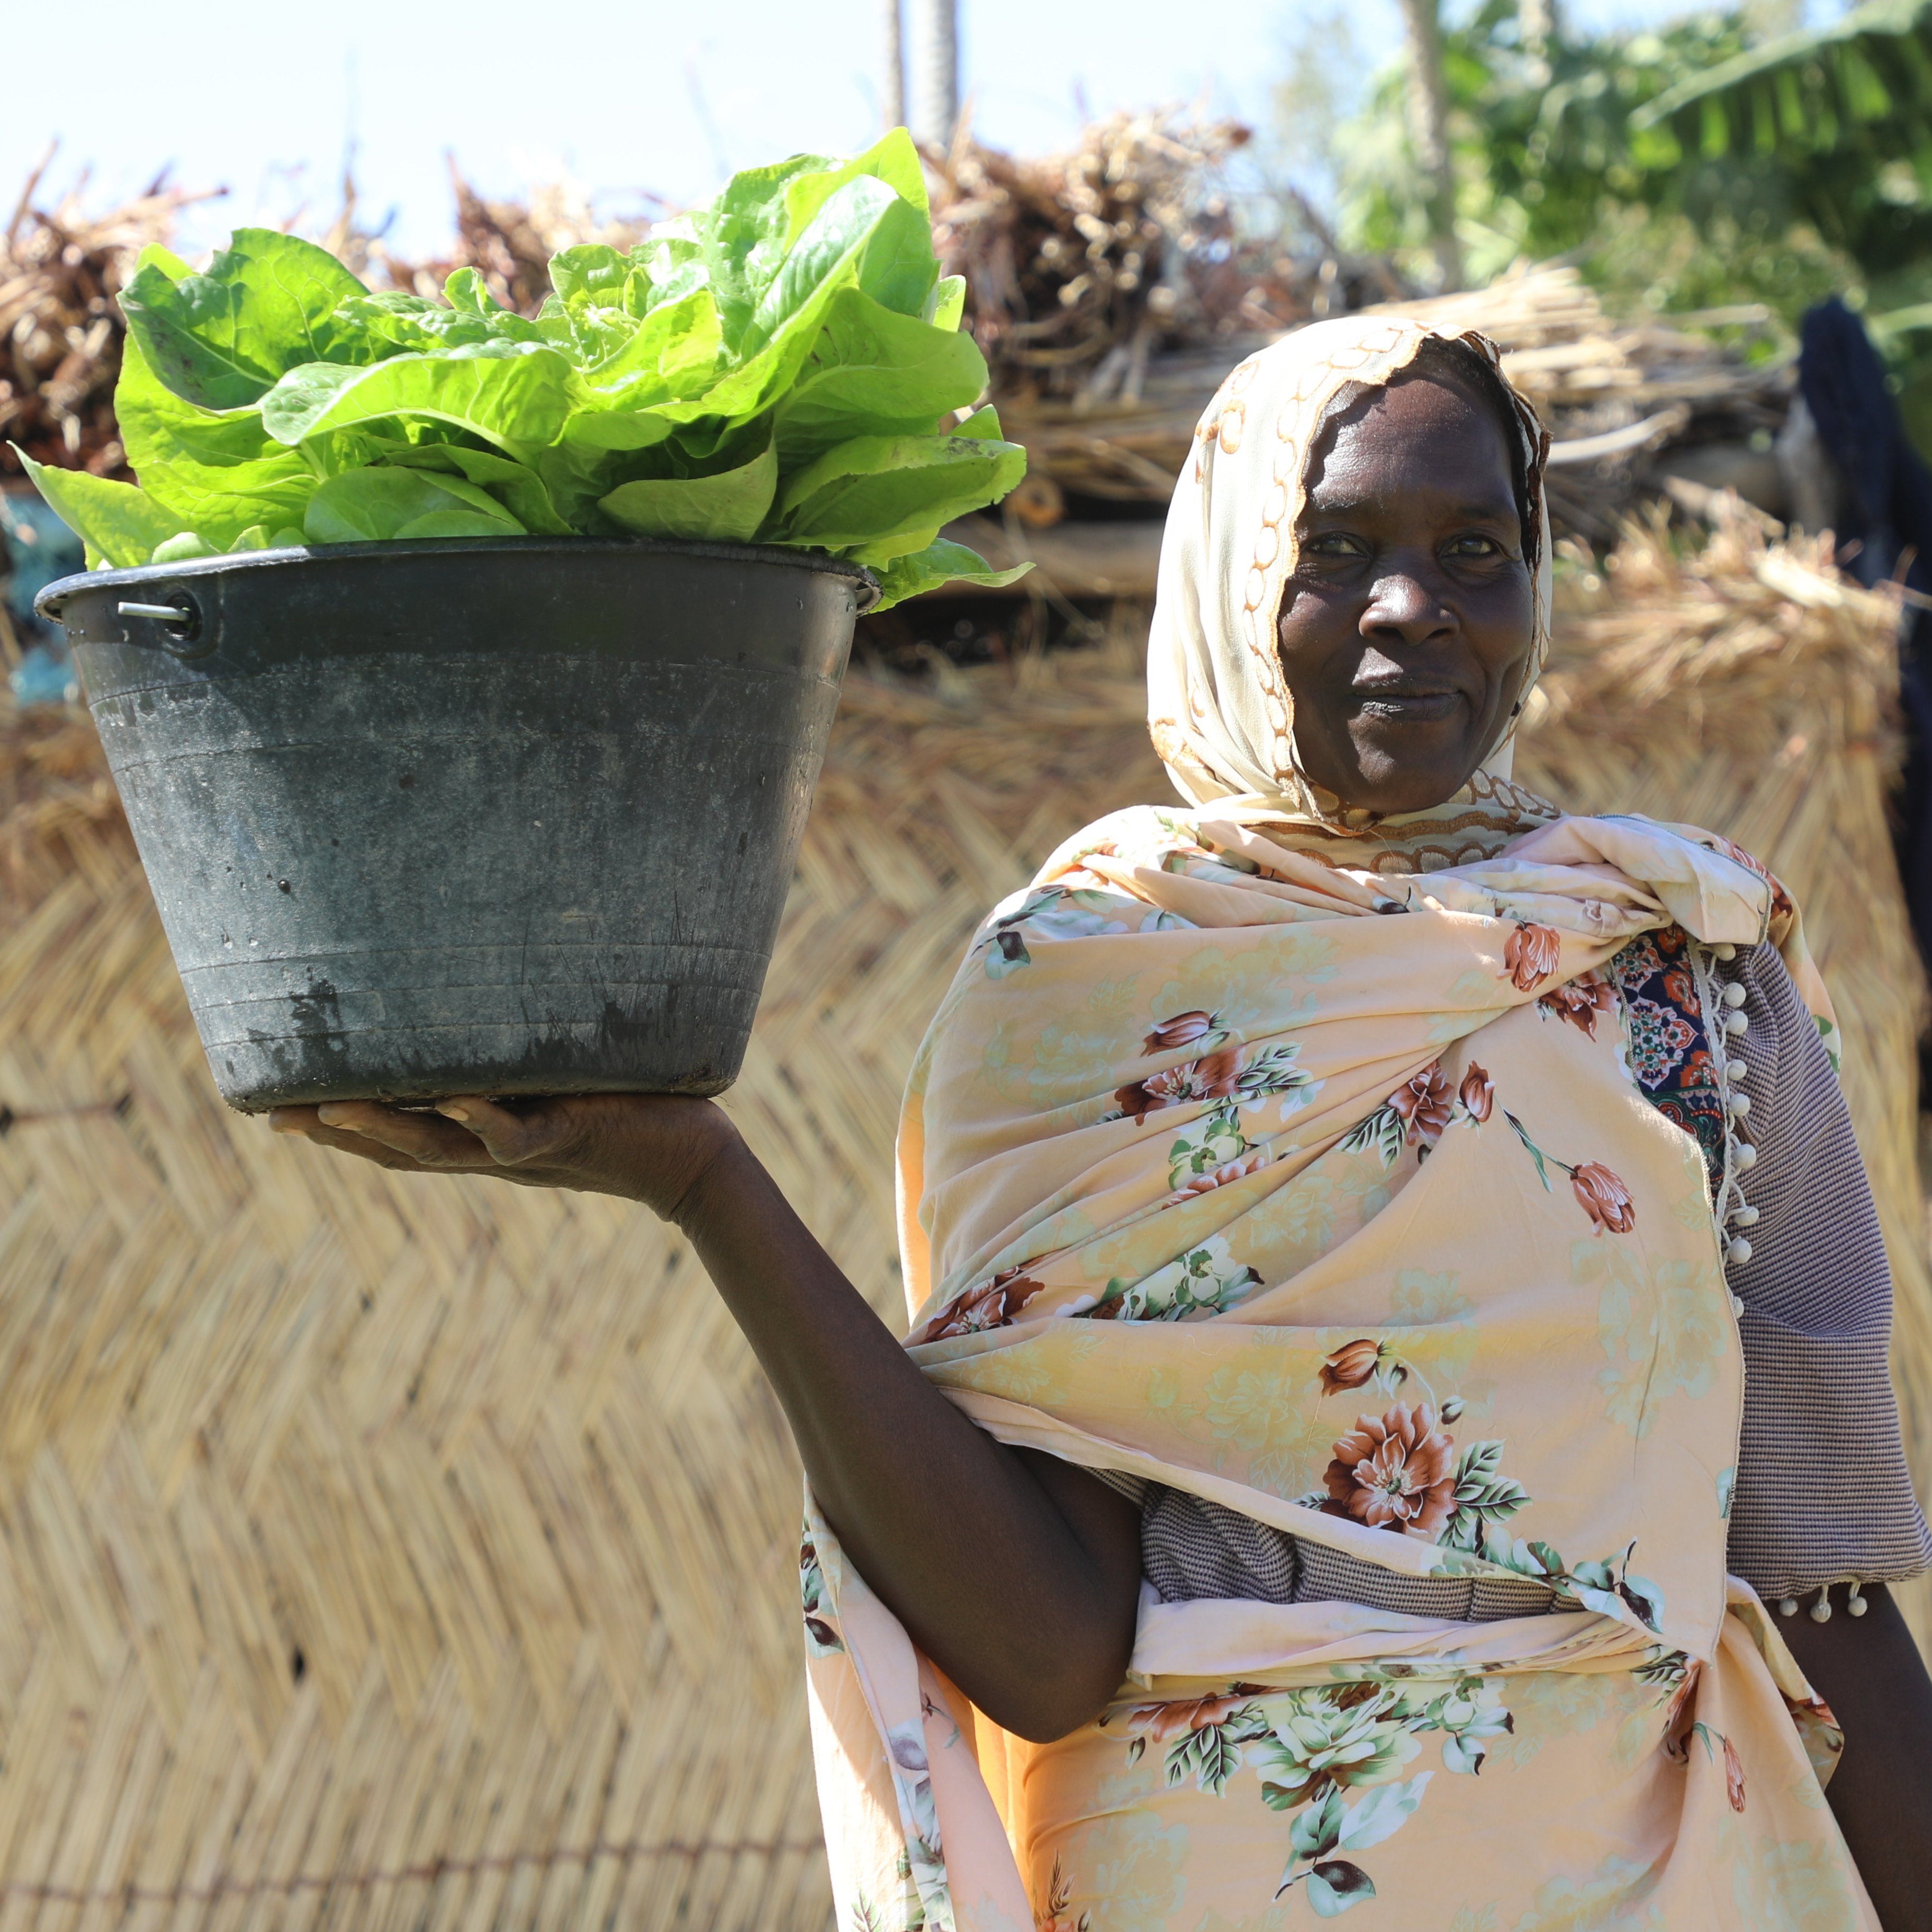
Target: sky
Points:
(628, 99)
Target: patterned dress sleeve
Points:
(1822, 1491)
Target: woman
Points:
(1311, 1477)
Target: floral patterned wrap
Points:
(1310, 1172)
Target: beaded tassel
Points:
(1727, 1026)
(1821, 1611)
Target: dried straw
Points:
(384, 1553)
(1080, 266)
(60, 326)
(62, 267)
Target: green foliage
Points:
(374, 506)
(784, 367)
(1560, 150)
(726, 506)
(1839, 118)
(267, 305)
(119, 526)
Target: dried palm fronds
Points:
(1080, 266)
(60, 326)
(510, 243)
(1617, 393)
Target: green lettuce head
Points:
(782, 367)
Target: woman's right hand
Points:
(656, 1148)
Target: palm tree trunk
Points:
(934, 71)
(892, 101)
(1428, 131)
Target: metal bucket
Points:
(508, 818)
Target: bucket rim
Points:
(53, 597)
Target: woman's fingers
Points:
(301, 1120)
(363, 1148)
(464, 1136)
(512, 1140)
(426, 1139)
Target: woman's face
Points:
(1408, 623)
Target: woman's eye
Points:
(1470, 546)
(1333, 543)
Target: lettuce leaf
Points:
(518, 488)
(671, 354)
(728, 507)
(783, 365)
(268, 303)
(218, 471)
(893, 159)
(382, 505)
(946, 307)
(394, 322)
(871, 367)
(119, 524)
(877, 487)
(514, 395)
(939, 562)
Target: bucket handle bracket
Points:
(175, 625)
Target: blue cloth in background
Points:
(36, 548)
(1887, 518)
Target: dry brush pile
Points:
(1081, 266)
(60, 327)
(1113, 285)
(1616, 397)
(61, 268)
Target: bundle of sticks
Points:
(1081, 266)
(60, 326)
(61, 268)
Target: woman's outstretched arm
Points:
(1018, 1575)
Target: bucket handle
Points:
(176, 625)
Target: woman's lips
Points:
(1409, 707)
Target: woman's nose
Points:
(1406, 601)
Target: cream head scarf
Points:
(1219, 707)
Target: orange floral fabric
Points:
(1218, 1174)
